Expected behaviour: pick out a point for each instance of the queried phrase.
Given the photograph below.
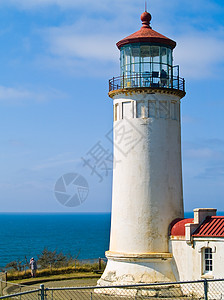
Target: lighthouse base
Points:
(123, 269)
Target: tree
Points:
(61, 260)
(12, 265)
(18, 265)
(52, 259)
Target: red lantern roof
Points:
(146, 35)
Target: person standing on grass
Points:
(33, 267)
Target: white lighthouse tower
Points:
(147, 175)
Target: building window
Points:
(208, 266)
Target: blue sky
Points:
(56, 57)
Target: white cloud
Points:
(116, 5)
(30, 4)
(88, 5)
(9, 93)
(202, 153)
(26, 185)
(200, 55)
(88, 45)
(14, 95)
(58, 160)
(204, 150)
(83, 53)
(186, 119)
(65, 43)
(212, 173)
(85, 68)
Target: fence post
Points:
(42, 292)
(206, 289)
(100, 264)
(1, 288)
(136, 294)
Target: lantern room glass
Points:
(142, 59)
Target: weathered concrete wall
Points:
(189, 258)
(137, 270)
(147, 179)
(147, 186)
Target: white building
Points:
(197, 246)
(147, 180)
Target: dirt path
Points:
(13, 288)
(72, 282)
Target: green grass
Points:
(37, 280)
(81, 271)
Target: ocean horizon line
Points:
(76, 213)
(54, 213)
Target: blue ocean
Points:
(82, 235)
(85, 236)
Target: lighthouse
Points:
(147, 175)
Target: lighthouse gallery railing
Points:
(147, 80)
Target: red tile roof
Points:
(211, 227)
(146, 35)
(177, 227)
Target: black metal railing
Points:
(147, 80)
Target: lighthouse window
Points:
(136, 54)
(127, 55)
(145, 53)
(164, 109)
(142, 110)
(144, 64)
(122, 58)
(169, 57)
(135, 68)
(164, 55)
(208, 263)
(127, 69)
(127, 110)
(152, 109)
(116, 112)
(155, 58)
(155, 51)
(173, 110)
